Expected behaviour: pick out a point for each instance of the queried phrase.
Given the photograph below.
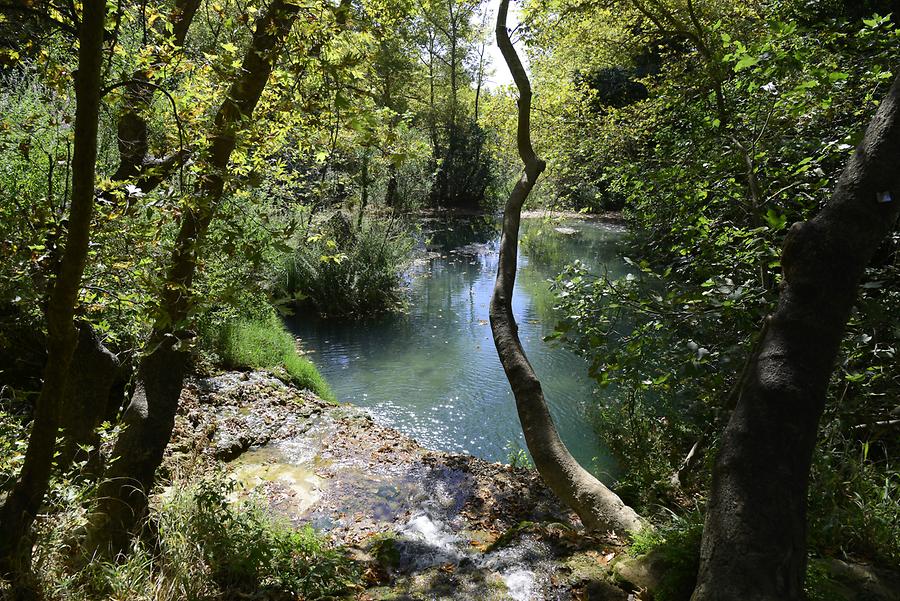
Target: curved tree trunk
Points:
(24, 501)
(754, 539)
(150, 416)
(597, 506)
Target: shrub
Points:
(247, 550)
(13, 441)
(347, 270)
(264, 344)
(854, 500)
(206, 546)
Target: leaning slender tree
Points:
(598, 507)
(22, 504)
(754, 538)
(150, 415)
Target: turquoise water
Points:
(433, 373)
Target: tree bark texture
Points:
(22, 504)
(597, 506)
(754, 539)
(150, 416)
(86, 398)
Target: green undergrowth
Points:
(206, 545)
(677, 545)
(854, 501)
(343, 269)
(264, 344)
(509, 536)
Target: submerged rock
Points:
(566, 231)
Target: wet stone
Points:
(424, 522)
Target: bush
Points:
(247, 550)
(854, 500)
(462, 177)
(264, 344)
(13, 439)
(347, 270)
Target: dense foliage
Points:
(716, 130)
(713, 125)
(344, 270)
(208, 546)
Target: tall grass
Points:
(854, 500)
(264, 344)
(345, 270)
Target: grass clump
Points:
(854, 501)
(346, 270)
(265, 344)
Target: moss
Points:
(384, 549)
(676, 546)
(585, 567)
(508, 536)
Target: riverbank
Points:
(421, 524)
(612, 217)
(615, 217)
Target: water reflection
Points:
(433, 373)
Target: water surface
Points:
(433, 373)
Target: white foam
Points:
(520, 584)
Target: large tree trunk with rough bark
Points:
(598, 507)
(754, 539)
(148, 422)
(150, 416)
(24, 501)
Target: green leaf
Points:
(775, 221)
(746, 63)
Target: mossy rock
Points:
(384, 550)
(509, 536)
(585, 567)
(832, 579)
(657, 574)
(444, 583)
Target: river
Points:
(433, 372)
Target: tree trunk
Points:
(148, 422)
(597, 506)
(86, 398)
(150, 416)
(390, 194)
(24, 501)
(754, 539)
(135, 164)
